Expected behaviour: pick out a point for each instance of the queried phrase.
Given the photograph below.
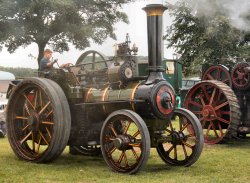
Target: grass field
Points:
(218, 163)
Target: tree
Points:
(199, 37)
(56, 23)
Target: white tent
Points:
(6, 76)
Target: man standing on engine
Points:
(45, 63)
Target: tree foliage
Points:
(56, 23)
(201, 37)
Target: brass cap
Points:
(155, 9)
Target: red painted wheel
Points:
(219, 73)
(216, 106)
(240, 77)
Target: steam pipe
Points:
(154, 28)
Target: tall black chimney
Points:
(154, 26)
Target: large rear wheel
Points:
(38, 120)
(217, 108)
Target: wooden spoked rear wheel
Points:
(185, 142)
(125, 142)
(38, 120)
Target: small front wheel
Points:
(125, 142)
(185, 142)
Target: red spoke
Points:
(219, 74)
(195, 104)
(112, 151)
(208, 129)
(27, 109)
(126, 159)
(221, 105)
(36, 96)
(212, 97)
(210, 77)
(49, 114)
(197, 112)
(202, 100)
(225, 112)
(223, 120)
(33, 142)
(205, 92)
(220, 129)
(215, 130)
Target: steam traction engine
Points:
(221, 102)
(103, 104)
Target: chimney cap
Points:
(155, 9)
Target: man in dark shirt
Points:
(45, 63)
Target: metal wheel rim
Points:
(136, 150)
(215, 116)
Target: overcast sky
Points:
(136, 28)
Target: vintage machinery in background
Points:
(104, 105)
(221, 102)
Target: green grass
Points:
(218, 163)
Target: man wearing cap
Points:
(45, 63)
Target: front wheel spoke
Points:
(136, 134)
(135, 144)
(43, 138)
(26, 137)
(196, 104)
(184, 127)
(188, 145)
(185, 151)
(175, 152)
(112, 150)
(114, 132)
(208, 129)
(35, 104)
(121, 157)
(135, 155)
(43, 109)
(202, 101)
(170, 149)
(126, 159)
(126, 129)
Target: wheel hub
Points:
(209, 113)
(122, 142)
(34, 121)
(178, 138)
